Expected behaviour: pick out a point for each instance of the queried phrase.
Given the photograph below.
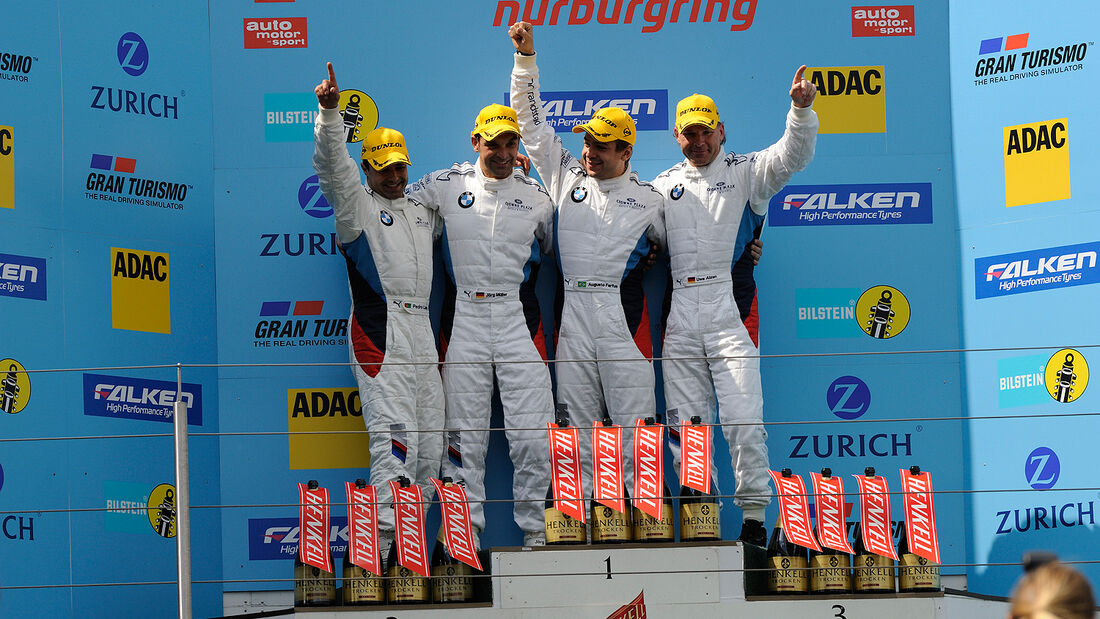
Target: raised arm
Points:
(775, 165)
(337, 173)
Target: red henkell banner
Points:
(607, 464)
(633, 610)
(457, 530)
(363, 528)
(695, 456)
(313, 527)
(565, 467)
(829, 503)
(794, 509)
(649, 467)
(874, 514)
(920, 515)
(412, 548)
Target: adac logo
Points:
(1035, 270)
(312, 200)
(1041, 469)
(133, 54)
(312, 411)
(850, 99)
(1036, 157)
(161, 510)
(883, 21)
(1066, 375)
(385, 218)
(7, 167)
(303, 325)
(23, 277)
(275, 32)
(104, 184)
(466, 199)
(883, 312)
(869, 204)
(15, 67)
(1023, 63)
(848, 397)
(140, 291)
(579, 194)
(134, 59)
(676, 192)
(15, 386)
(289, 116)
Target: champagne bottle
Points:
(561, 529)
(830, 569)
(653, 530)
(786, 561)
(608, 525)
(361, 587)
(699, 515)
(313, 586)
(915, 573)
(405, 586)
(874, 573)
(452, 580)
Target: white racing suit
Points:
(388, 248)
(709, 217)
(493, 234)
(602, 235)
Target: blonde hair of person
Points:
(1053, 591)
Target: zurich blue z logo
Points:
(848, 397)
(133, 54)
(1042, 468)
(311, 199)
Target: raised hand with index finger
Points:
(328, 93)
(802, 91)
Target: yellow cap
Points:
(494, 120)
(696, 110)
(609, 123)
(383, 147)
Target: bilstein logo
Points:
(654, 16)
(1040, 269)
(883, 21)
(275, 32)
(826, 312)
(848, 397)
(23, 277)
(7, 167)
(1024, 63)
(321, 410)
(1066, 375)
(1021, 382)
(298, 330)
(16, 67)
(133, 57)
(140, 291)
(15, 386)
(122, 188)
(311, 199)
(1036, 159)
(289, 117)
(882, 312)
(161, 510)
(850, 99)
(277, 538)
(124, 397)
(127, 505)
(824, 205)
(1041, 471)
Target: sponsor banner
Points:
(874, 514)
(826, 313)
(565, 109)
(851, 205)
(111, 179)
(363, 528)
(22, 276)
(1066, 375)
(607, 466)
(920, 514)
(794, 509)
(7, 167)
(127, 506)
(580, 12)
(565, 466)
(458, 531)
(1035, 270)
(133, 58)
(412, 548)
(633, 610)
(16, 66)
(161, 510)
(830, 511)
(289, 117)
(312, 199)
(298, 324)
(649, 467)
(1041, 471)
(326, 410)
(125, 397)
(15, 386)
(849, 99)
(695, 454)
(313, 521)
(1021, 381)
(140, 291)
(883, 21)
(1036, 159)
(883, 312)
(274, 539)
(1020, 57)
(275, 33)
(848, 397)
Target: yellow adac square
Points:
(140, 291)
(7, 167)
(320, 410)
(849, 99)
(1036, 162)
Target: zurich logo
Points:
(311, 199)
(848, 397)
(1, 477)
(579, 194)
(133, 54)
(1042, 468)
(676, 191)
(385, 218)
(466, 200)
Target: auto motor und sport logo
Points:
(15, 386)
(565, 109)
(883, 21)
(111, 179)
(298, 323)
(1019, 57)
(23, 277)
(16, 66)
(1036, 270)
(275, 32)
(124, 397)
(865, 204)
(538, 12)
(134, 59)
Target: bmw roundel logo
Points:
(579, 194)
(466, 200)
(386, 218)
(676, 191)
(133, 54)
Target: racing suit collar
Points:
(395, 205)
(706, 171)
(613, 184)
(488, 182)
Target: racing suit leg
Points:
(429, 414)
(579, 378)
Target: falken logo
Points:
(15, 67)
(23, 277)
(277, 538)
(104, 185)
(565, 109)
(1032, 271)
(133, 57)
(311, 199)
(275, 33)
(864, 204)
(1023, 63)
(124, 397)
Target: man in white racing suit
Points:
(606, 221)
(387, 241)
(714, 201)
(496, 224)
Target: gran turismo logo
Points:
(311, 199)
(1042, 468)
(133, 54)
(848, 397)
